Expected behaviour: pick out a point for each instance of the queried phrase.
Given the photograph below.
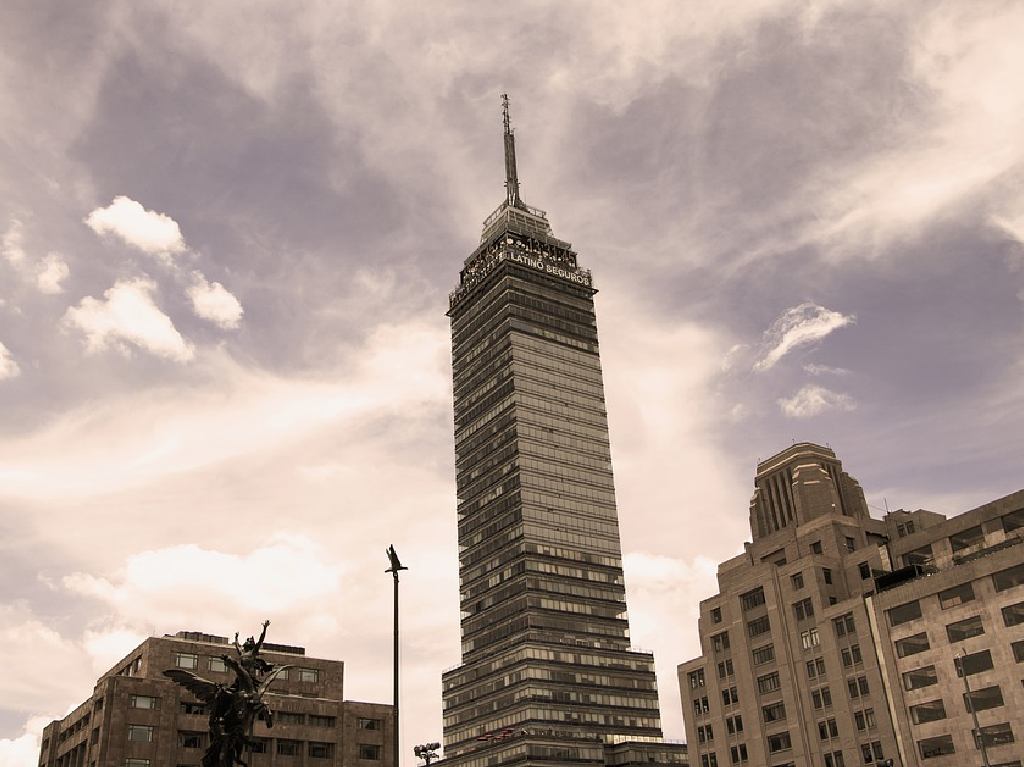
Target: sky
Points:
(227, 235)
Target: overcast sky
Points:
(229, 231)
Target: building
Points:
(547, 674)
(137, 717)
(833, 636)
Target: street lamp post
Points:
(427, 752)
(958, 661)
(395, 568)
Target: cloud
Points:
(24, 749)
(820, 370)
(12, 243)
(813, 400)
(212, 301)
(53, 271)
(147, 230)
(8, 367)
(128, 315)
(798, 326)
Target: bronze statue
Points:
(234, 708)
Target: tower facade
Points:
(547, 673)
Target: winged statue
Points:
(234, 708)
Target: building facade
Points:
(137, 717)
(547, 674)
(832, 638)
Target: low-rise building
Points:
(137, 717)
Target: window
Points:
(752, 599)
(289, 717)
(957, 595)
(974, 663)
(851, 656)
(696, 678)
(195, 709)
(810, 639)
(851, 544)
(316, 720)
(764, 654)
(704, 734)
(827, 729)
(912, 645)
(369, 751)
(725, 668)
(983, 699)
(136, 763)
(940, 746)
(309, 675)
(865, 720)
(257, 745)
(821, 698)
(720, 641)
(904, 613)
(932, 711)
(186, 660)
(834, 759)
(843, 625)
(865, 570)
(1013, 521)
(321, 750)
(815, 668)
(993, 735)
(798, 581)
(871, 753)
(758, 626)
(779, 742)
(140, 733)
(218, 664)
(803, 609)
(857, 687)
(774, 712)
(920, 677)
(1013, 615)
(729, 697)
(768, 683)
(1007, 579)
(922, 555)
(816, 547)
(966, 538)
(709, 760)
(142, 701)
(734, 724)
(738, 753)
(965, 629)
(1018, 651)
(826, 574)
(700, 706)
(191, 739)
(291, 747)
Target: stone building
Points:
(833, 636)
(137, 717)
(548, 675)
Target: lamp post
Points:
(395, 568)
(427, 752)
(958, 662)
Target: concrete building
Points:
(548, 675)
(136, 717)
(833, 636)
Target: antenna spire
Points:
(511, 174)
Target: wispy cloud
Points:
(213, 302)
(128, 315)
(12, 245)
(799, 326)
(52, 273)
(815, 369)
(812, 400)
(8, 367)
(147, 230)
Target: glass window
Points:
(993, 735)
(725, 668)
(191, 739)
(195, 709)
(774, 712)
(798, 581)
(764, 654)
(140, 733)
(912, 645)
(834, 759)
(919, 556)
(810, 639)
(217, 664)
(843, 625)
(758, 626)
(1018, 651)
(957, 595)
(768, 682)
(375, 724)
(720, 641)
(816, 547)
(920, 677)
(821, 698)
(716, 614)
(1013, 614)
(965, 629)
(136, 763)
(827, 728)
(321, 750)
(803, 609)
(142, 701)
(696, 678)
(983, 699)
(973, 663)
(815, 668)
(779, 742)
(826, 574)
(752, 598)
(939, 746)
(308, 675)
(851, 544)
(1007, 579)
(966, 538)
(289, 717)
(257, 745)
(369, 751)
(1013, 521)
(186, 660)
(317, 720)
(289, 747)
(904, 613)
(865, 570)
(932, 711)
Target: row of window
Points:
(991, 736)
(1001, 581)
(191, 661)
(280, 746)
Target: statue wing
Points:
(265, 684)
(203, 689)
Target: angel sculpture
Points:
(234, 708)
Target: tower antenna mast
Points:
(511, 174)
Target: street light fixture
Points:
(395, 568)
(427, 752)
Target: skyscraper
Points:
(547, 670)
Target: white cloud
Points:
(106, 646)
(820, 370)
(23, 750)
(52, 272)
(12, 243)
(213, 302)
(147, 230)
(798, 326)
(813, 400)
(128, 315)
(8, 367)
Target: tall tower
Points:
(547, 673)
